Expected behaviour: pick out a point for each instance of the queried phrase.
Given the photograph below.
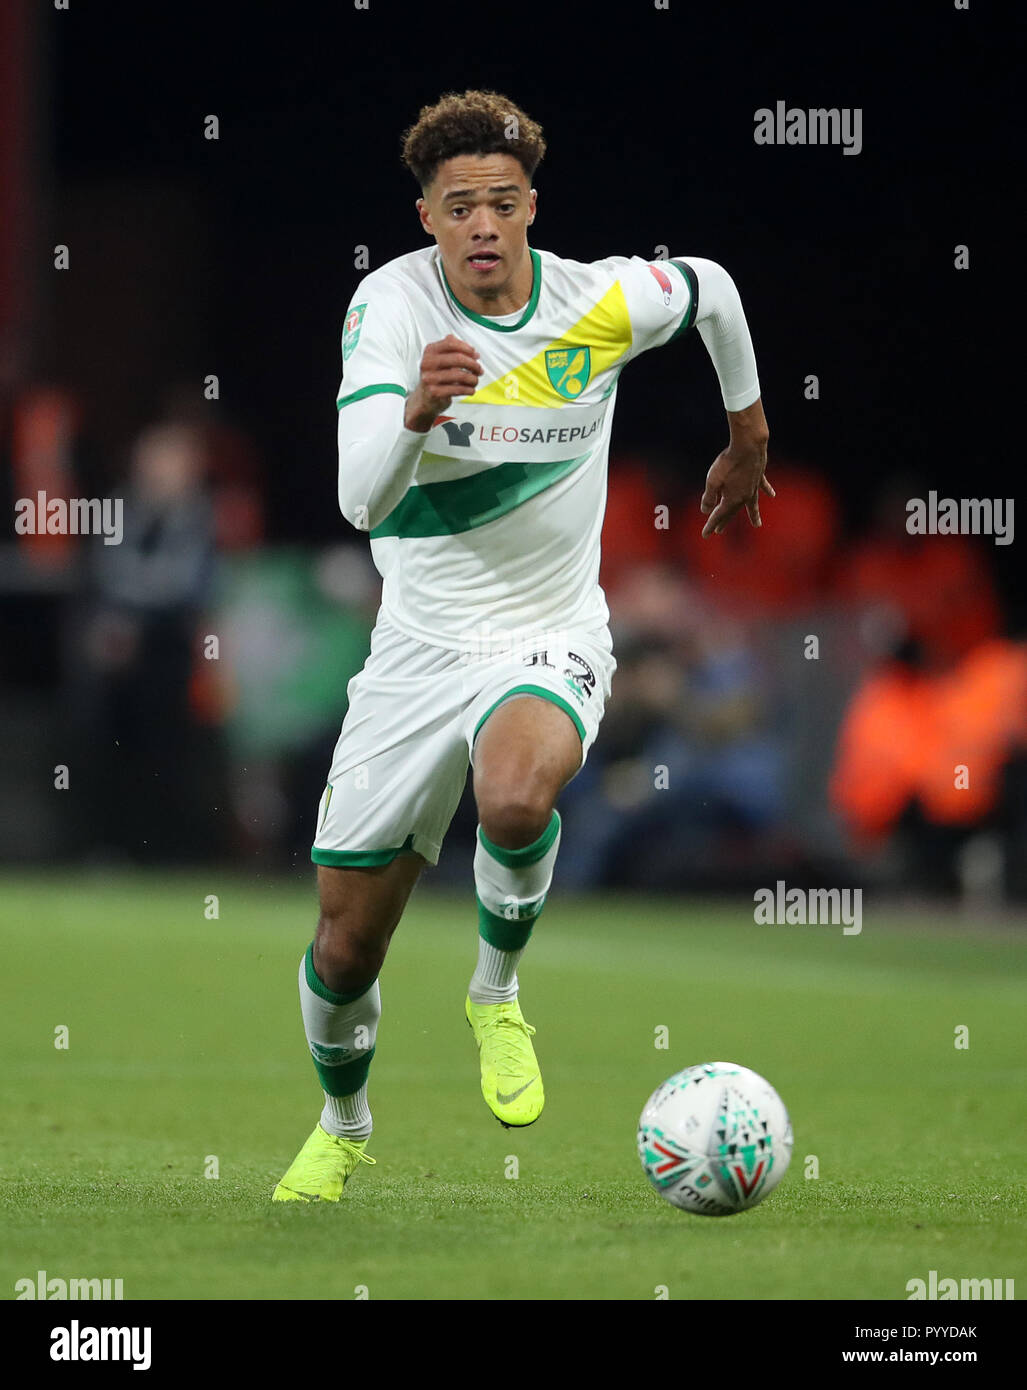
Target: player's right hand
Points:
(449, 368)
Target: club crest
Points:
(568, 370)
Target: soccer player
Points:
(479, 380)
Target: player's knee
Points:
(346, 957)
(515, 819)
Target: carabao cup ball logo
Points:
(568, 370)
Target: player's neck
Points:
(508, 299)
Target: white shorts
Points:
(401, 761)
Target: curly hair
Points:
(475, 122)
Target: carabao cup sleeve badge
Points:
(351, 332)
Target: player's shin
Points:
(511, 888)
(341, 1030)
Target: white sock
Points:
(495, 977)
(341, 1033)
(511, 888)
(347, 1116)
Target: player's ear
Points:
(424, 215)
(532, 201)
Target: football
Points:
(715, 1139)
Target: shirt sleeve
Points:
(666, 298)
(661, 300)
(722, 326)
(377, 346)
(378, 455)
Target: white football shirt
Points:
(486, 530)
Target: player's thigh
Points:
(527, 751)
(366, 902)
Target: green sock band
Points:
(512, 933)
(529, 854)
(347, 1077)
(340, 1071)
(504, 933)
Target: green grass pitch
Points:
(185, 1046)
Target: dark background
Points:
(236, 257)
(845, 263)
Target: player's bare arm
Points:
(737, 476)
(449, 368)
(738, 473)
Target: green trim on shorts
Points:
(360, 858)
(527, 854)
(317, 986)
(543, 694)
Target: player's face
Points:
(478, 209)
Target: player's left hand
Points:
(738, 475)
(735, 480)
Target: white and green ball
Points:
(715, 1139)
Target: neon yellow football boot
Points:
(321, 1169)
(510, 1078)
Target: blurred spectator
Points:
(134, 657)
(924, 754)
(296, 629)
(234, 477)
(686, 771)
(45, 421)
(163, 566)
